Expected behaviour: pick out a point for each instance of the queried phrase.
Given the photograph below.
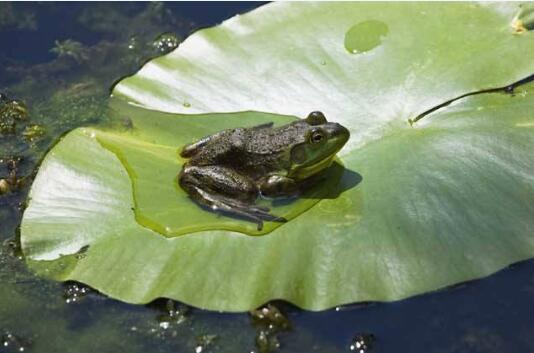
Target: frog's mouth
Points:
(306, 172)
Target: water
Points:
(489, 315)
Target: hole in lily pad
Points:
(150, 154)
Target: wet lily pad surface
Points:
(441, 201)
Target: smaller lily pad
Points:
(148, 147)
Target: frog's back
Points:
(254, 151)
(274, 140)
(214, 149)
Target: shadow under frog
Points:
(331, 183)
(230, 171)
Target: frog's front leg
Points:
(223, 189)
(277, 185)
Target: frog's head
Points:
(321, 141)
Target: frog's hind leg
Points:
(222, 189)
(257, 214)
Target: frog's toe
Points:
(266, 216)
(281, 220)
(278, 219)
(275, 219)
(260, 225)
(272, 219)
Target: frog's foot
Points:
(259, 213)
(255, 213)
(223, 189)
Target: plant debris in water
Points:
(13, 343)
(9, 178)
(269, 322)
(166, 42)
(362, 343)
(204, 342)
(33, 133)
(11, 113)
(74, 292)
(174, 314)
(13, 248)
(71, 49)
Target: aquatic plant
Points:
(446, 194)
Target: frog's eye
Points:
(316, 118)
(317, 136)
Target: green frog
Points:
(227, 171)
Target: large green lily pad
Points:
(446, 200)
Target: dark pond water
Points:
(61, 60)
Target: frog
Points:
(228, 171)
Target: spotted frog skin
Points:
(227, 171)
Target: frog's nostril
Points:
(339, 131)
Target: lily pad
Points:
(446, 200)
